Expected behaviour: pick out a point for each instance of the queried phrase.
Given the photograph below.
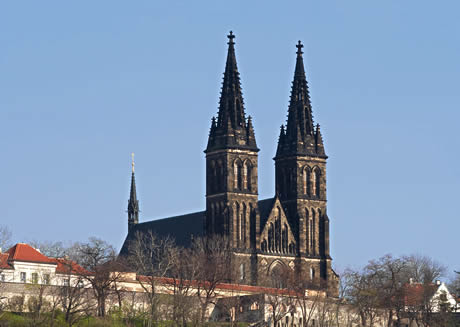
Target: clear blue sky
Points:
(85, 83)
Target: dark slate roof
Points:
(181, 228)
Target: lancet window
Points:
(306, 181)
(277, 240)
(317, 182)
(238, 174)
(247, 171)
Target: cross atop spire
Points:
(299, 47)
(231, 36)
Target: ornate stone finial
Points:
(299, 47)
(132, 161)
(231, 36)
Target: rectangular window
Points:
(23, 277)
(34, 278)
(46, 279)
(66, 282)
(2, 277)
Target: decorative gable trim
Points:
(277, 236)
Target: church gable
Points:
(276, 236)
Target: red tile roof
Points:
(66, 266)
(4, 261)
(24, 252)
(418, 294)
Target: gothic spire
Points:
(232, 129)
(300, 135)
(133, 203)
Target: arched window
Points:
(291, 248)
(285, 239)
(271, 241)
(277, 235)
(277, 275)
(312, 273)
(248, 175)
(235, 174)
(312, 232)
(238, 175)
(238, 222)
(309, 230)
(242, 272)
(243, 223)
(263, 246)
(306, 181)
(317, 184)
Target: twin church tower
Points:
(288, 231)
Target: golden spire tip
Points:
(132, 161)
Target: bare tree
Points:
(279, 306)
(5, 242)
(41, 299)
(454, 284)
(383, 286)
(74, 297)
(388, 275)
(363, 294)
(422, 272)
(5, 238)
(213, 256)
(57, 249)
(345, 313)
(286, 292)
(3, 265)
(184, 273)
(326, 312)
(306, 297)
(99, 258)
(423, 269)
(152, 257)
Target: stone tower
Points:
(231, 165)
(300, 175)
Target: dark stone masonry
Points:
(288, 231)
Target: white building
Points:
(24, 264)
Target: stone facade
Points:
(289, 231)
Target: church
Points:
(288, 231)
